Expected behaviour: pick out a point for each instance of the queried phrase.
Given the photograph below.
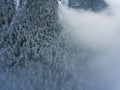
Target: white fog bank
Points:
(101, 33)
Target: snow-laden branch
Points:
(17, 2)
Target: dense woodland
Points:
(35, 52)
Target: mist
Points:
(100, 32)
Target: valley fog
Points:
(100, 32)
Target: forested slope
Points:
(35, 52)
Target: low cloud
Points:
(101, 33)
